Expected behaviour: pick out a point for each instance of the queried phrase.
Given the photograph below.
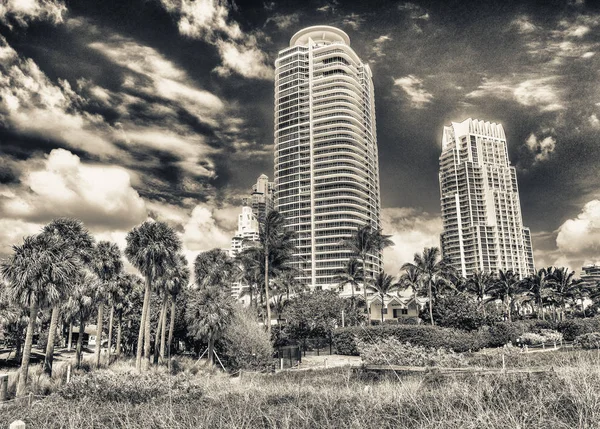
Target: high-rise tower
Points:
(326, 164)
(262, 197)
(481, 211)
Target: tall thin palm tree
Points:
(384, 284)
(536, 287)
(505, 288)
(73, 234)
(152, 248)
(351, 274)
(431, 270)
(410, 279)
(211, 307)
(107, 265)
(277, 244)
(478, 285)
(364, 243)
(37, 273)
(129, 284)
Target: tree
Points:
(383, 285)
(562, 283)
(458, 311)
(175, 282)
(478, 285)
(277, 245)
(410, 279)
(77, 238)
(122, 302)
(351, 274)
(505, 288)
(536, 287)
(432, 272)
(107, 265)
(211, 306)
(81, 304)
(37, 272)
(152, 248)
(365, 242)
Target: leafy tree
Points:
(128, 287)
(152, 248)
(250, 274)
(37, 273)
(383, 285)
(364, 243)
(351, 274)
(432, 273)
(458, 311)
(72, 234)
(107, 265)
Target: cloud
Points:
(202, 232)
(542, 93)
(542, 148)
(523, 25)
(23, 11)
(594, 121)
(61, 185)
(209, 20)
(283, 22)
(378, 45)
(578, 239)
(329, 6)
(413, 87)
(353, 20)
(411, 231)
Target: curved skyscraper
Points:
(326, 165)
(481, 211)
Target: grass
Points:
(117, 397)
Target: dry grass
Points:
(569, 397)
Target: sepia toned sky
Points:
(117, 111)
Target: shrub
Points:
(390, 351)
(344, 340)
(458, 311)
(246, 345)
(588, 341)
(573, 328)
(501, 333)
(545, 336)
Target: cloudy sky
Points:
(116, 111)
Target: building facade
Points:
(590, 274)
(246, 235)
(481, 211)
(326, 162)
(261, 198)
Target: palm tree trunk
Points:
(171, 327)
(23, 372)
(110, 329)
(211, 346)
(147, 356)
(140, 343)
(163, 331)
(119, 329)
(157, 335)
(364, 272)
(70, 340)
(430, 296)
(98, 335)
(51, 336)
(382, 309)
(79, 343)
(541, 307)
(267, 290)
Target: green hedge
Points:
(421, 335)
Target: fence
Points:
(288, 356)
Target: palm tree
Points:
(562, 283)
(365, 242)
(277, 245)
(351, 274)
(37, 273)
(107, 265)
(124, 302)
(211, 307)
(536, 287)
(81, 304)
(177, 282)
(250, 273)
(506, 288)
(410, 279)
(478, 284)
(383, 285)
(152, 248)
(74, 235)
(431, 272)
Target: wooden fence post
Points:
(3, 387)
(17, 424)
(69, 372)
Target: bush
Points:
(459, 312)
(344, 339)
(545, 336)
(246, 345)
(501, 333)
(588, 341)
(573, 328)
(390, 351)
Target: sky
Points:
(119, 111)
